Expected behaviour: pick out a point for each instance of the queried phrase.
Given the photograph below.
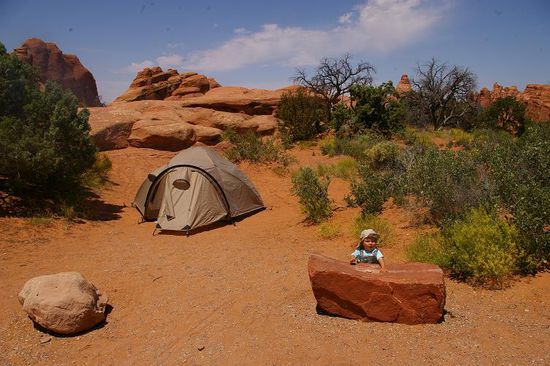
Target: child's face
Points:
(369, 243)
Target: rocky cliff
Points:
(66, 70)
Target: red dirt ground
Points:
(241, 294)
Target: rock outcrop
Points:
(167, 125)
(155, 84)
(65, 69)
(404, 85)
(64, 303)
(535, 96)
(412, 293)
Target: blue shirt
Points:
(364, 255)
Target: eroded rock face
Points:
(535, 96)
(167, 125)
(64, 303)
(66, 70)
(412, 293)
(155, 84)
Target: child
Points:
(367, 252)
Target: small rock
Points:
(45, 339)
(201, 348)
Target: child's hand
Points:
(353, 261)
(383, 270)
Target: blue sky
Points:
(261, 43)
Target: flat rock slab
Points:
(410, 293)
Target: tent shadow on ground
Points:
(209, 227)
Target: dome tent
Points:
(196, 188)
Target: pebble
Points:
(45, 339)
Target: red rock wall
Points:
(66, 70)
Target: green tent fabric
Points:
(196, 188)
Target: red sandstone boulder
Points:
(64, 303)
(404, 85)
(166, 125)
(411, 293)
(155, 84)
(535, 96)
(238, 100)
(66, 70)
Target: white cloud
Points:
(375, 26)
(137, 66)
(170, 61)
(345, 18)
(241, 30)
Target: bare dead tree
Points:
(442, 94)
(334, 77)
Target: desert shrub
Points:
(355, 146)
(330, 230)
(44, 141)
(376, 108)
(301, 116)
(371, 192)
(507, 114)
(312, 194)
(519, 172)
(448, 183)
(341, 116)
(482, 247)
(250, 146)
(428, 248)
(378, 224)
(384, 155)
(344, 169)
(96, 176)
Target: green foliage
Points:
(96, 176)
(506, 113)
(519, 171)
(377, 108)
(341, 115)
(428, 248)
(329, 230)
(482, 247)
(312, 193)
(345, 169)
(44, 140)
(18, 85)
(447, 182)
(378, 224)
(371, 192)
(301, 116)
(355, 146)
(250, 146)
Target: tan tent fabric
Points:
(197, 187)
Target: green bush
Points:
(96, 176)
(301, 116)
(506, 113)
(312, 194)
(376, 108)
(345, 169)
(428, 248)
(482, 248)
(341, 115)
(355, 146)
(448, 183)
(44, 141)
(250, 146)
(371, 192)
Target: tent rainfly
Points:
(196, 188)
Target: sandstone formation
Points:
(64, 69)
(63, 303)
(412, 293)
(167, 125)
(535, 96)
(404, 85)
(155, 84)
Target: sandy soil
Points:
(241, 294)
